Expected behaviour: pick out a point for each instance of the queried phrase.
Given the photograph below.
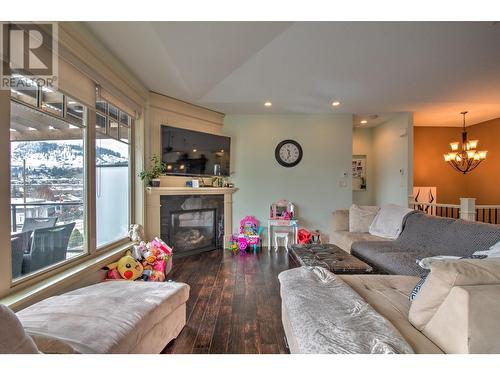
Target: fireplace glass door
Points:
(193, 229)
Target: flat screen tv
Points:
(192, 153)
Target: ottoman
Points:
(110, 317)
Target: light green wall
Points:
(393, 166)
(313, 185)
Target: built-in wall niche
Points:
(359, 172)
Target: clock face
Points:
(288, 153)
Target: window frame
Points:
(88, 126)
(131, 166)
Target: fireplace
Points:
(192, 224)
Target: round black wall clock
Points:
(288, 153)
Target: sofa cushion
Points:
(324, 315)
(361, 217)
(467, 321)
(345, 239)
(388, 295)
(13, 338)
(389, 221)
(339, 220)
(390, 257)
(443, 277)
(110, 317)
(441, 236)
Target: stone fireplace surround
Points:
(153, 206)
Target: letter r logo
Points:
(26, 47)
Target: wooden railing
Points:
(488, 214)
(437, 209)
(467, 210)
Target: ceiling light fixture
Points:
(467, 158)
(336, 103)
(268, 104)
(364, 122)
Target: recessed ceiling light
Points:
(268, 104)
(364, 122)
(336, 103)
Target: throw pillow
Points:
(492, 252)
(361, 217)
(389, 221)
(416, 289)
(14, 339)
(443, 277)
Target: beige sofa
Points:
(456, 311)
(116, 317)
(340, 235)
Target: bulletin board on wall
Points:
(359, 172)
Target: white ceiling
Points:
(434, 69)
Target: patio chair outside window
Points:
(19, 244)
(49, 246)
(32, 223)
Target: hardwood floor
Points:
(234, 304)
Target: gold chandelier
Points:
(464, 159)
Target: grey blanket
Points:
(327, 317)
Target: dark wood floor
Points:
(234, 304)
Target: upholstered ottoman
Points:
(110, 317)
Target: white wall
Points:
(362, 144)
(313, 185)
(392, 144)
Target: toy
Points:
(146, 261)
(234, 244)
(316, 237)
(249, 233)
(154, 256)
(282, 210)
(304, 236)
(127, 267)
(136, 232)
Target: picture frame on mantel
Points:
(359, 172)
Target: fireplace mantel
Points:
(179, 190)
(153, 206)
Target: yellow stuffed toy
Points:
(127, 267)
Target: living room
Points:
(261, 187)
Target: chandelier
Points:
(465, 158)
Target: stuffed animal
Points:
(136, 232)
(128, 267)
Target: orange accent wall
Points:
(430, 169)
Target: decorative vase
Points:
(155, 182)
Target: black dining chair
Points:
(32, 223)
(19, 243)
(48, 246)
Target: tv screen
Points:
(188, 152)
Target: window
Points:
(48, 183)
(112, 173)
(49, 137)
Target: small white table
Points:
(280, 223)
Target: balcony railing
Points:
(467, 210)
(16, 208)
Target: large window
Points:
(113, 127)
(51, 178)
(48, 202)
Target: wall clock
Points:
(288, 153)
